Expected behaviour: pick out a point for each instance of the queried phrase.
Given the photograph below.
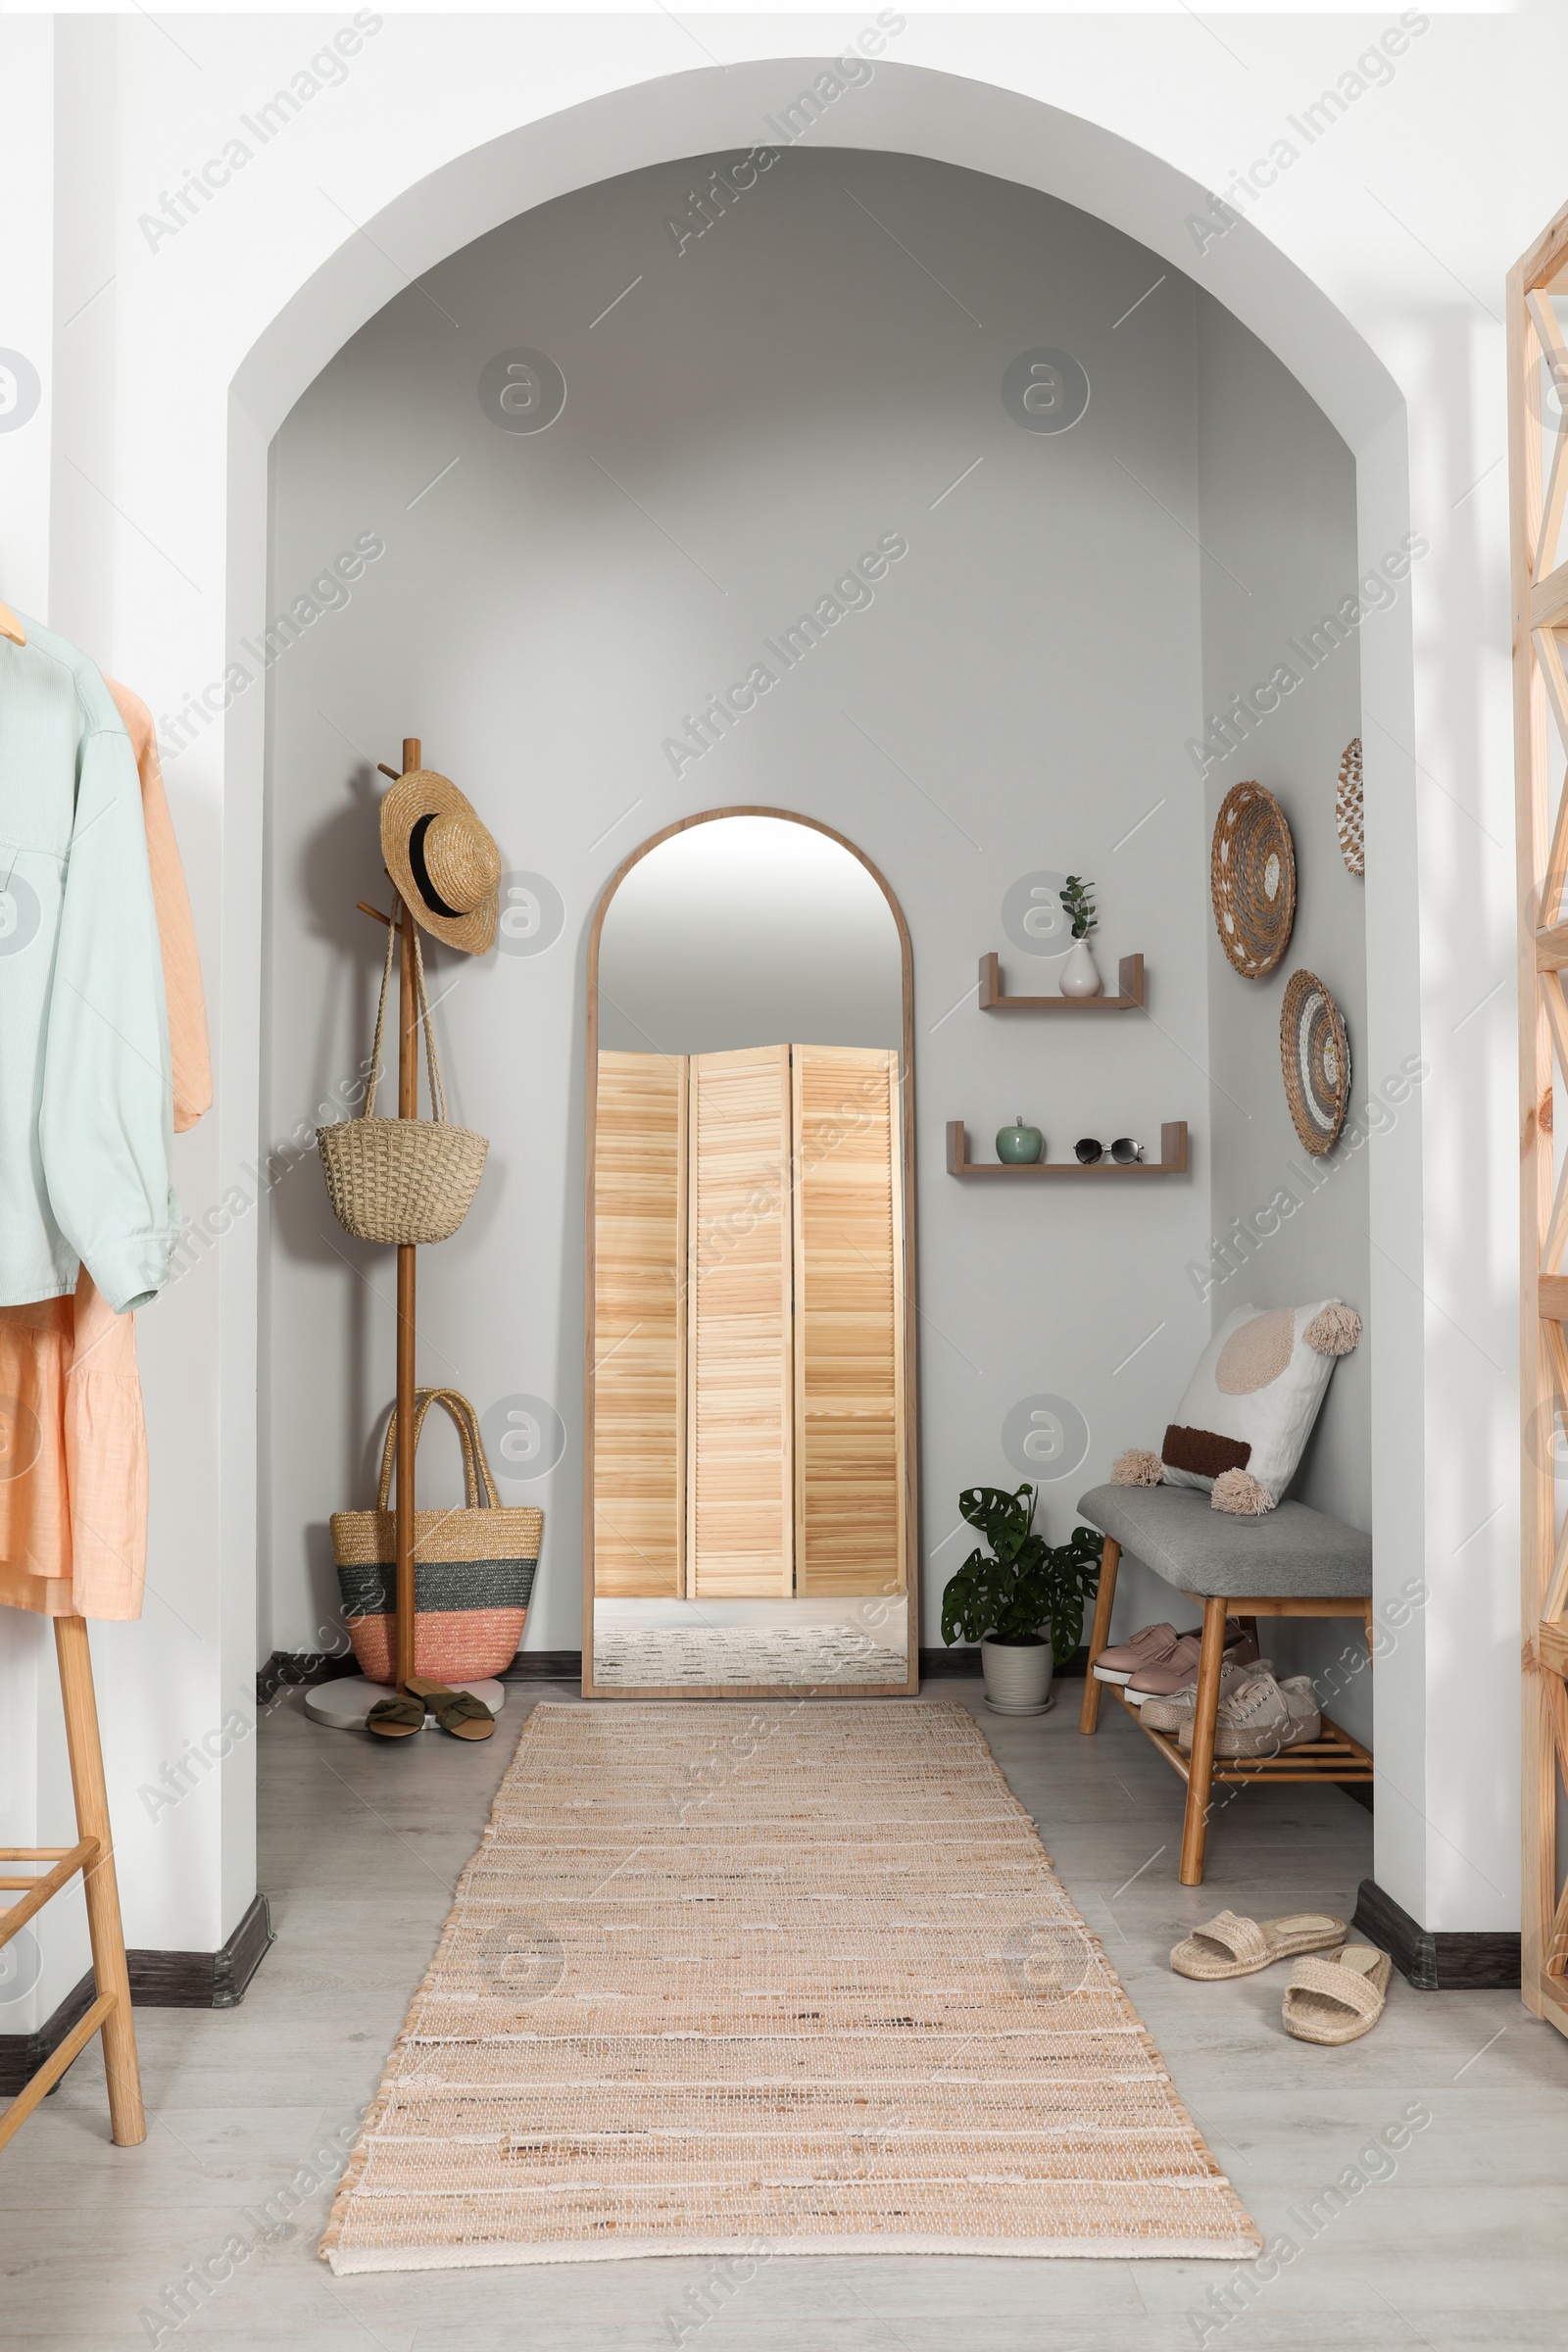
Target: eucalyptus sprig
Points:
(1079, 905)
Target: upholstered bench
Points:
(1292, 1562)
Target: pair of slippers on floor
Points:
(1337, 1991)
(455, 1711)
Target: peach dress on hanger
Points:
(74, 1471)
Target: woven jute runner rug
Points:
(772, 1978)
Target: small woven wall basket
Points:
(1315, 1057)
(1349, 820)
(1252, 879)
(473, 1569)
(401, 1180)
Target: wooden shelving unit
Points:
(1128, 981)
(1172, 1160)
(1334, 1756)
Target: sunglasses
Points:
(1124, 1152)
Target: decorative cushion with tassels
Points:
(1250, 1406)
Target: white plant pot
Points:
(1079, 977)
(1017, 1675)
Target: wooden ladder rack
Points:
(93, 1854)
(1537, 467)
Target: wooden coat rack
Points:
(402, 921)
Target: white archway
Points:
(973, 126)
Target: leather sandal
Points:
(455, 1711)
(395, 1718)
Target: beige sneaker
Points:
(1170, 1713)
(1258, 1717)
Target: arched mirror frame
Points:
(911, 1440)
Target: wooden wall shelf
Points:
(1172, 1160)
(1129, 980)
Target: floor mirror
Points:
(750, 1425)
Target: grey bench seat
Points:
(1293, 1552)
(1292, 1562)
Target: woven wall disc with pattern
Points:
(1348, 808)
(1315, 1057)
(1252, 879)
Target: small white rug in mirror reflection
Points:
(643, 1646)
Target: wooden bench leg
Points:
(126, 2119)
(1100, 1633)
(1200, 1776)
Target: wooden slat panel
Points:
(639, 1326)
(848, 1332)
(740, 1521)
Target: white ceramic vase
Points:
(1017, 1675)
(1079, 977)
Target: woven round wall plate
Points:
(1348, 808)
(1315, 1057)
(1251, 877)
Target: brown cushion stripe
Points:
(1204, 1452)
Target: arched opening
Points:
(921, 825)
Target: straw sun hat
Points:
(442, 860)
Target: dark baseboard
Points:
(1442, 1961)
(565, 1665)
(545, 1666)
(158, 1981)
(284, 1668)
(202, 1980)
(964, 1658)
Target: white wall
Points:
(1277, 513)
(545, 617)
(1373, 268)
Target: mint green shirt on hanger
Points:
(86, 1094)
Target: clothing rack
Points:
(93, 1854)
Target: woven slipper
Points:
(455, 1711)
(396, 1718)
(1340, 1998)
(1228, 1946)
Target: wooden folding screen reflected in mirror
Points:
(848, 1321)
(748, 1208)
(639, 1383)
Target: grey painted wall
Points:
(1277, 501)
(1014, 700)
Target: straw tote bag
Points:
(473, 1569)
(401, 1180)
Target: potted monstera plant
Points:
(1024, 1604)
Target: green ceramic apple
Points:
(1018, 1146)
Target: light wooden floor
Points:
(1465, 2245)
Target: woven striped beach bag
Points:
(473, 1569)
